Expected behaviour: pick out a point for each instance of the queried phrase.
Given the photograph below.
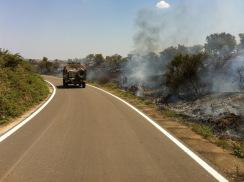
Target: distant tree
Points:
(196, 49)
(49, 67)
(168, 54)
(45, 66)
(241, 35)
(89, 60)
(42, 66)
(240, 75)
(113, 62)
(90, 57)
(44, 59)
(182, 75)
(220, 45)
(99, 59)
(56, 65)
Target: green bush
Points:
(20, 87)
(238, 151)
(182, 75)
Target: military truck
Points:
(75, 74)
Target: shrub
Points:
(237, 151)
(182, 75)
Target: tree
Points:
(168, 54)
(220, 45)
(99, 59)
(113, 62)
(241, 35)
(196, 49)
(44, 59)
(45, 65)
(182, 75)
(94, 60)
(240, 74)
(56, 65)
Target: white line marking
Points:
(195, 157)
(18, 126)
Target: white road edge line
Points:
(22, 123)
(195, 157)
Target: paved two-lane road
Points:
(87, 135)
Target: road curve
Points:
(87, 135)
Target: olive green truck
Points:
(74, 74)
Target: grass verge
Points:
(20, 87)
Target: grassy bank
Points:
(20, 87)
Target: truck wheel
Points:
(65, 85)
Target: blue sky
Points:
(68, 28)
(73, 28)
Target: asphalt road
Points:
(87, 135)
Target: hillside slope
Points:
(20, 87)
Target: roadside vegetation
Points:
(47, 67)
(20, 87)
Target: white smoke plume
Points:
(232, 77)
(187, 22)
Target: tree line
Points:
(187, 72)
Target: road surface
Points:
(87, 135)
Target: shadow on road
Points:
(69, 87)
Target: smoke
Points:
(142, 63)
(147, 39)
(231, 79)
(188, 23)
